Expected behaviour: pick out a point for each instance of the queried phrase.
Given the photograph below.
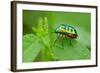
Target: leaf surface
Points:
(31, 47)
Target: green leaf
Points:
(31, 47)
(70, 51)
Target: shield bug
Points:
(66, 31)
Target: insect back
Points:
(64, 31)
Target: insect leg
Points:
(71, 43)
(62, 42)
(56, 39)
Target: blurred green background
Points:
(39, 46)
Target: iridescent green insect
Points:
(66, 31)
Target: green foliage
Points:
(39, 44)
(74, 51)
(30, 47)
